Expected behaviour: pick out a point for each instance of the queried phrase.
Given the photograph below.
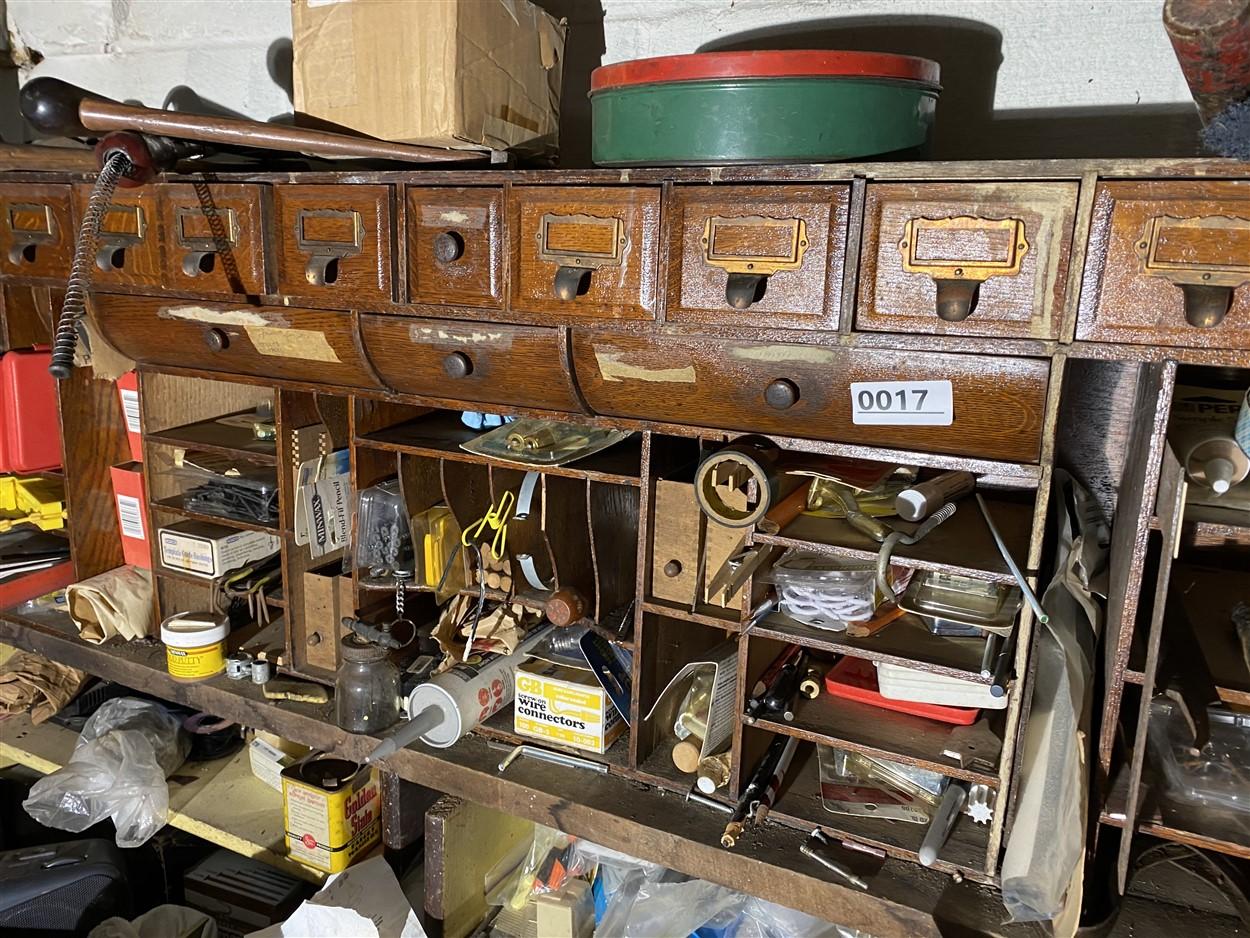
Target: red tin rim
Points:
(804, 63)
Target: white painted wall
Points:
(1055, 53)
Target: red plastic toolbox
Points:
(856, 679)
(30, 427)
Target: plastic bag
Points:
(118, 769)
(552, 862)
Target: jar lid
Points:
(355, 648)
(194, 629)
(801, 63)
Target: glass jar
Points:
(366, 687)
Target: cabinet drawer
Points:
(455, 246)
(214, 238)
(333, 243)
(756, 255)
(471, 361)
(1169, 264)
(36, 231)
(128, 250)
(805, 391)
(315, 345)
(584, 253)
(966, 258)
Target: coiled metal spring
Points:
(116, 165)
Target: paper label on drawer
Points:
(903, 403)
(305, 344)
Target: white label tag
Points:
(130, 407)
(903, 403)
(130, 516)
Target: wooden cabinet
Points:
(455, 246)
(36, 231)
(806, 391)
(966, 258)
(128, 249)
(763, 256)
(313, 345)
(1169, 263)
(584, 253)
(333, 243)
(487, 363)
(215, 238)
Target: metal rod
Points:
(833, 866)
(98, 115)
(549, 755)
(1011, 564)
(696, 798)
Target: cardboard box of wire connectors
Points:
(564, 705)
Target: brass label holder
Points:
(27, 237)
(223, 235)
(596, 243)
(1206, 288)
(115, 239)
(958, 280)
(325, 253)
(783, 242)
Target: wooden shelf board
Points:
(214, 437)
(176, 505)
(965, 850)
(219, 801)
(964, 536)
(1209, 595)
(439, 436)
(906, 641)
(1226, 832)
(730, 622)
(1211, 521)
(886, 734)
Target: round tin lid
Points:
(802, 63)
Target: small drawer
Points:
(128, 249)
(214, 238)
(966, 258)
(471, 361)
(1169, 264)
(333, 243)
(36, 231)
(455, 247)
(806, 391)
(768, 256)
(584, 253)
(315, 345)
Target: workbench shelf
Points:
(212, 436)
(175, 506)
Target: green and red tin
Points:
(807, 106)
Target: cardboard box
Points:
(564, 705)
(451, 73)
(131, 504)
(201, 548)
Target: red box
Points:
(131, 503)
(32, 585)
(128, 393)
(856, 679)
(30, 423)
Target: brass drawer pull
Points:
(458, 365)
(204, 233)
(32, 225)
(750, 249)
(1208, 257)
(448, 247)
(327, 236)
(960, 254)
(580, 245)
(123, 227)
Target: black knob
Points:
(458, 365)
(216, 340)
(448, 247)
(781, 394)
(51, 107)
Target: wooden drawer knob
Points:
(458, 365)
(448, 247)
(781, 394)
(216, 340)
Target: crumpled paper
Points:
(116, 602)
(35, 684)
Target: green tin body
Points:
(759, 120)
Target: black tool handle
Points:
(51, 107)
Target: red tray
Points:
(856, 679)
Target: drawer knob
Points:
(448, 247)
(216, 340)
(571, 282)
(742, 290)
(781, 394)
(672, 569)
(956, 299)
(458, 365)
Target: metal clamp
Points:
(751, 248)
(943, 249)
(1179, 250)
(327, 236)
(580, 245)
(31, 225)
